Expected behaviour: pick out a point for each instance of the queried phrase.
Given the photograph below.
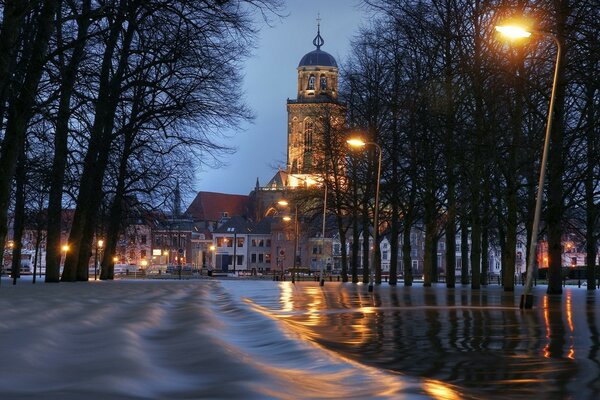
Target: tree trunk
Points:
(21, 111)
(556, 169)
(406, 250)
(13, 17)
(19, 218)
(464, 250)
(394, 234)
(591, 183)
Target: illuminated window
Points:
(308, 134)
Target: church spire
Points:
(318, 40)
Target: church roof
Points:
(317, 58)
(210, 206)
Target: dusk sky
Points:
(270, 79)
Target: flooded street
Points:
(264, 339)
(478, 341)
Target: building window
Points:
(337, 248)
(268, 258)
(253, 258)
(143, 253)
(261, 257)
(308, 134)
(268, 242)
(311, 82)
(143, 239)
(384, 255)
(240, 242)
(323, 82)
(240, 260)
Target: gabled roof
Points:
(263, 227)
(279, 181)
(236, 225)
(210, 206)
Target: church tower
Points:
(315, 107)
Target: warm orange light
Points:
(65, 248)
(144, 263)
(11, 244)
(356, 142)
(165, 253)
(287, 218)
(283, 202)
(513, 31)
(212, 248)
(100, 243)
(115, 259)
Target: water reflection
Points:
(477, 340)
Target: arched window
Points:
(311, 82)
(308, 134)
(323, 82)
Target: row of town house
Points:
(218, 233)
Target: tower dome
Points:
(317, 73)
(318, 57)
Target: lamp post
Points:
(99, 246)
(516, 32)
(286, 203)
(65, 249)
(359, 143)
(211, 253)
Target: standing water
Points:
(264, 339)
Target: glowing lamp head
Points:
(100, 243)
(283, 203)
(65, 248)
(212, 248)
(513, 31)
(287, 218)
(356, 142)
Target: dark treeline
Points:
(460, 115)
(107, 105)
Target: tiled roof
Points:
(236, 225)
(210, 206)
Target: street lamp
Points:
(286, 203)
(515, 32)
(359, 143)
(99, 246)
(65, 248)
